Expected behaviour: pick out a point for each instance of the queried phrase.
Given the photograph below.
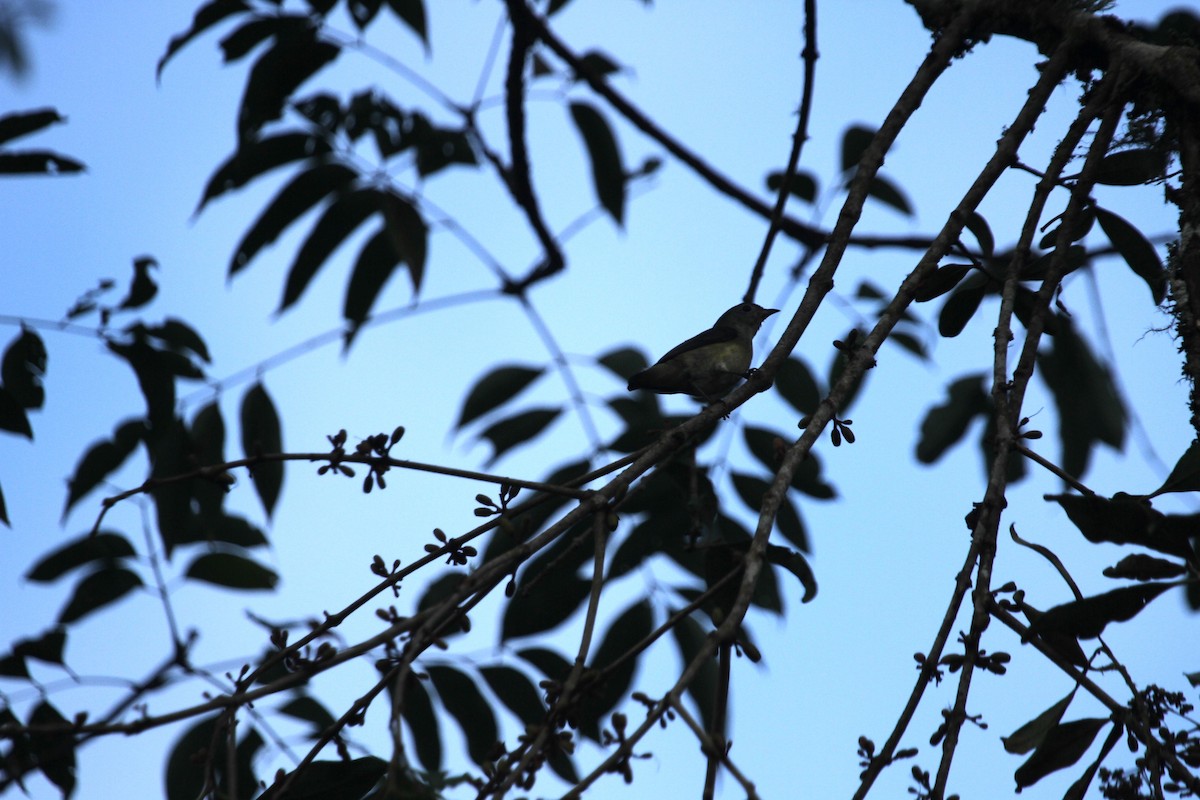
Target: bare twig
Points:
(798, 139)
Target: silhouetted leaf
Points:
(644, 421)
(627, 630)
(535, 517)
(309, 710)
(170, 448)
(803, 185)
(548, 662)
(102, 459)
(544, 603)
(223, 528)
(1137, 251)
(1087, 618)
(298, 196)
(517, 430)
(1131, 167)
(889, 194)
(494, 390)
(206, 16)
(751, 491)
(40, 162)
(418, 713)
(462, 699)
(1090, 409)
(47, 648)
(23, 367)
(409, 235)
(323, 110)
(412, 14)
(554, 667)
(1063, 746)
(1033, 733)
(1126, 520)
(624, 361)
(961, 306)
(103, 546)
(437, 147)
(855, 142)
(765, 445)
(808, 479)
(909, 342)
(689, 638)
(797, 385)
(1025, 307)
(642, 543)
(791, 525)
(719, 560)
(946, 424)
(286, 28)
(940, 281)
(1079, 788)
(97, 590)
(1039, 268)
(54, 753)
(259, 156)
(375, 264)
(442, 588)
(340, 219)
(516, 691)
(23, 123)
(186, 774)
(1185, 475)
(608, 173)
(596, 64)
(978, 226)
(142, 288)
(12, 416)
(1081, 225)
(261, 434)
(277, 73)
(1142, 567)
(179, 336)
(232, 571)
(156, 371)
(796, 564)
(208, 439)
(326, 780)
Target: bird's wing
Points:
(722, 333)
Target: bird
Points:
(708, 365)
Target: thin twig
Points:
(709, 745)
(1049, 466)
(798, 139)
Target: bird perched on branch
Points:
(708, 365)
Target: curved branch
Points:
(800, 231)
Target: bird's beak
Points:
(769, 311)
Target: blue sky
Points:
(726, 80)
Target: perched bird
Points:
(708, 365)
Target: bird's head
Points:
(745, 317)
